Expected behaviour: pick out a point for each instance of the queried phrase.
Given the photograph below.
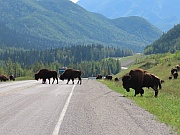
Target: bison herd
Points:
(5, 78)
(69, 74)
(136, 79)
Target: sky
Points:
(75, 1)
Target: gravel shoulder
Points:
(102, 111)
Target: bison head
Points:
(126, 82)
(62, 77)
(36, 76)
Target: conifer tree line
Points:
(91, 59)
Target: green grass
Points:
(24, 78)
(166, 107)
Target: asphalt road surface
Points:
(32, 108)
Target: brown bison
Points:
(109, 77)
(99, 76)
(139, 80)
(46, 74)
(150, 80)
(71, 74)
(116, 79)
(173, 70)
(3, 78)
(175, 75)
(178, 67)
(11, 77)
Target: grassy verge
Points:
(24, 78)
(166, 107)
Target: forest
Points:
(42, 24)
(169, 41)
(91, 59)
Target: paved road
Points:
(32, 108)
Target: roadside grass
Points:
(166, 107)
(24, 78)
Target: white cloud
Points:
(75, 1)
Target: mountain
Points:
(41, 24)
(169, 41)
(164, 14)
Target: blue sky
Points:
(74, 1)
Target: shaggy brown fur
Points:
(11, 77)
(138, 78)
(71, 74)
(3, 78)
(46, 74)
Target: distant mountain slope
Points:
(164, 14)
(137, 26)
(42, 24)
(169, 41)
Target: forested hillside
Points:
(42, 24)
(92, 59)
(161, 13)
(169, 41)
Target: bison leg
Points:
(136, 92)
(43, 81)
(53, 80)
(72, 80)
(68, 81)
(127, 89)
(139, 91)
(57, 79)
(80, 80)
(156, 93)
(155, 88)
(142, 92)
(49, 80)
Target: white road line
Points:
(58, 125)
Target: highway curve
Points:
(31, 108)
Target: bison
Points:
(109, 77)
(178, 67)
(99, 76)
(46, 74)
(173, 70)
(150, 80)
(116, 79)
(138, 78)
(11, 77)
(3, 78)
(175, 75)
(71, 74)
